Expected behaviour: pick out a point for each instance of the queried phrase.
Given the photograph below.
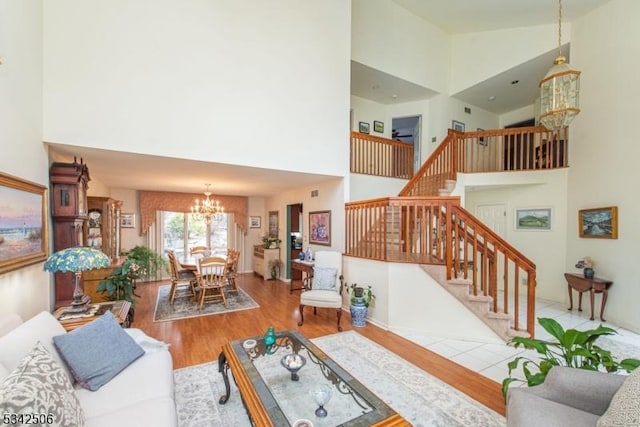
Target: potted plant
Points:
(572, 348)
(149, 261)
(119, 285)
(360, 299)
(274, 268)
(271, 242)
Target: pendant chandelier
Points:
(207, 209)
(559, 89)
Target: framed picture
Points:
(481, 139)
(599, 223)
(23, 223)
(254, 222)
(127, 220)
(363, 127)
(533, 219)
(456, 125)
(320, 228)
(378, 126)
(273, 223)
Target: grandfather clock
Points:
(68, 188)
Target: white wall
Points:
(389, 38)
(408, 300)
(517, 116)
(364, 187)
(26, 291)
(604, 149)
(547, 249)
(225, 81)
(476, 57)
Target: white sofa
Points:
(142, 394)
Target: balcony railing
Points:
(372, 155)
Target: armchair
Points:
(324, 288)
(568, 397)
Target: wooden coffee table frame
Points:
(264, 410)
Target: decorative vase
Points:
(270, 337)
(358, 313)
(588, 273)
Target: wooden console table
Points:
(306, 267)
(594, 286)
(121, 310)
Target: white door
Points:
(494, 216)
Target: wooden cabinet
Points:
(262, 258)
(68, 186)
(102, 226)
(296, 212)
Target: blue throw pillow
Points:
(324, 278)
(97, 351)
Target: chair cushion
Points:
(324, 278)
(40, 387)
(624, 409)
(97, 351)
(321, 298)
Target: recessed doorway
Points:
(408, 129)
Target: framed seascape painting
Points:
(320, 228)
(533, 219)
(598, 223)
(23, 223)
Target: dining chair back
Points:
(180, 278)
(212, 280)
(233, 255)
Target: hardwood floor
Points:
(198, 340)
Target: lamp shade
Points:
(76, 259)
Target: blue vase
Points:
(588, 273)
(358, 315)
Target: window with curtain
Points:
(181, 231)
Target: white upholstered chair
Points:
(324, 289)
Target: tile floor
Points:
(491, 360)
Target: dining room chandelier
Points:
(559, 89)
(206, 209)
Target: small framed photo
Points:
(363, 127)
(254, 222)
(598, 223)
(457, 126)
(127, 220)
(481, 139)
(378, 126)
(533, 219)
(320, 228)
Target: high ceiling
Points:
(119, 170)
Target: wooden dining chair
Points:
(180, 278)
(233, 255)
(212, 280)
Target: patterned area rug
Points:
(420, 398)
(184, 306)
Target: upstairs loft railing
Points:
(499, 150)
(436, 230)
(372, 155)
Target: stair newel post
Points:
(531, 295)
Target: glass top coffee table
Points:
(279, 395)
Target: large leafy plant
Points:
(572, 348)
(119, 285)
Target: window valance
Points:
(154, 201)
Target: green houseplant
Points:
(572, 348)
(120, 283)
(149, 261)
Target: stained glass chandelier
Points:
(207, 209)
(559, 89)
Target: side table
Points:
(121, 310)
(582, 284)
(306, 267)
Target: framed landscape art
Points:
(533, 219)
(23, 223)
(598, 223)
(320, 228)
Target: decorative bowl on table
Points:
(293, 362)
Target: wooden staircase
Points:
(427, 226)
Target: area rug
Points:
(184, 306)
(420, 398)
